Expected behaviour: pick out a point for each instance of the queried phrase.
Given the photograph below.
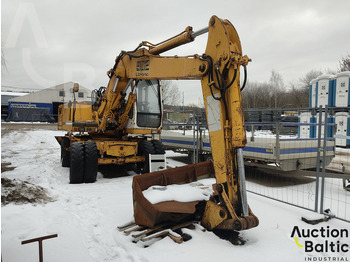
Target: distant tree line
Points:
(272, 94)
(275, 94)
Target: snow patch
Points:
(195, 191)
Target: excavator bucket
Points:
(150, 215)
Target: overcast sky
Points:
(49, 42)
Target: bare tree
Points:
(277, 87)
(171, 93)
(256, 95)
(304, 82)
(274, 94)
(344, 64)
(249, 95)
(298, 97)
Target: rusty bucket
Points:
(148, 214)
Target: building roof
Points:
(6, 96)
(59, 93)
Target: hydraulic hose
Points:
(245, 78)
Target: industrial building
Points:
(43, 105)
(5, 97)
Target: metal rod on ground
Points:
(324, 155)
(40, 240)
(318, 157)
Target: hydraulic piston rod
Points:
(200, 32)
(184, 38)
(241, 174)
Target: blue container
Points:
(330, 126)
(342, 132)
(325, 90)
(313, 93)
(313, 120)
(305, 130)
(341, 97)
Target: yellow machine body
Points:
(219, 71)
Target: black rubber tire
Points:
(65, 154)
(206, 157)
(158, 147)
(76, 174)
(190, 156)
(91, 162)
(145, 148)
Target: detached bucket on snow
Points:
(148, 214)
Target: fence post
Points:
(194, 139)
(324, 156)
(318, 157)
(199, 145)
(278, 128)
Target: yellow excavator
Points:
(113, 128)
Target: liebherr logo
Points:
(333, 242)
(142, 68)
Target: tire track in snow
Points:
(80, 202)
(100, 241)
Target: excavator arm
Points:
(219, 71)
(145, 63)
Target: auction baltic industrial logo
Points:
(324, 241)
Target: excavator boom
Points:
(219, 71)
(116, 128)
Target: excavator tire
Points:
(91, 162)
(206, 157)
(145, 148)
(65, 154)
(158, 147)
(76, 174)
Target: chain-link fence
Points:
(309, 164)
(300, 157)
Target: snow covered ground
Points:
(86, 217)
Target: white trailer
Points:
(287, 154)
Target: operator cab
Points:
(149, 111)
(148, 107)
